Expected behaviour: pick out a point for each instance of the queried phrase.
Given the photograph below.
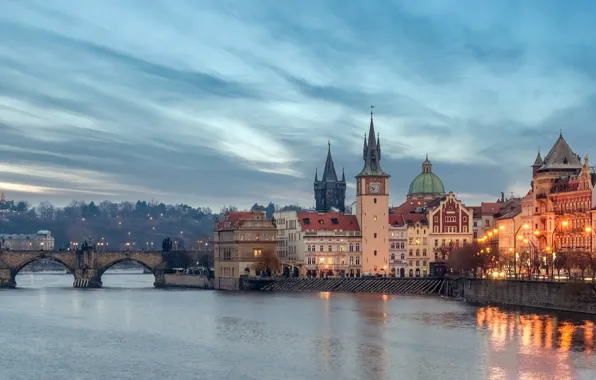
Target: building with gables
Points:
(563, 198)
(239, 241)
(330, 193)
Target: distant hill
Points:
(139, 224)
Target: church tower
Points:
(330, 193)
(372, 200)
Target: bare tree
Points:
(267, 262)
(46, 211)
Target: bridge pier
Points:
(7, 279)
(86, 278)
(160, 278)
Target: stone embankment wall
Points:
(572, 297)
(412, 286)
(187, 281)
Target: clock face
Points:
(375, 188)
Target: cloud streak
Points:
(225, 102)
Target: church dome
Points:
(426, 183)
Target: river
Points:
(129, 330)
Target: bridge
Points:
(86, 266)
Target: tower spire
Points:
(329, 175)
(343, 174)
(372, 152)
(316, 174)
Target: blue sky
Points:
(232, 102)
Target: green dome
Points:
(427, 182)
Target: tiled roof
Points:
(329, 221)
(406, 211)
(234, 218)
(396, 220)
(476, 210)
(561, 157)
(511, 214)
(490, 208)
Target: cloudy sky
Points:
(232, 102)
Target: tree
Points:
(46, 211)
(268, 262)
(560, 262)
(465, 259)
(204, 261)
(92, 209)
(21, 206)
(582, 260)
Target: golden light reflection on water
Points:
(544, 344)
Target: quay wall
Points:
(563, 296)
(187, 281)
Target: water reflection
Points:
(544, 343)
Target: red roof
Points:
(404, 213)
(329, 221)
(490, 208)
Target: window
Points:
(424, 252)
(329, 248)
(375, 235)
(375, 252)
(321, 248)
(475, 224)
(308, 248)
(417, 252)
(357, 247)
(357, 260)
(464, 229)
(436, 242)
(411, 254)
(375, 217)
(257, 252)
(393, 256)
(417, 263)
(374, 200)
(351, 247)
(402, 256)
(392, 245)
(436, 229)
(351, 260)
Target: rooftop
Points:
(330, 221)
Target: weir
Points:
(398, 286)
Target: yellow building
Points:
(419, 253)
(239, 241)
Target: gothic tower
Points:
(330, 193)
(372, 206)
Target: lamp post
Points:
(525, 226)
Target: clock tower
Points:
(372, 207)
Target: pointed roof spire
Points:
(372, 153)
(538, 162)
(316, 174)
(329, 175)
(343, 174)
(561, 157)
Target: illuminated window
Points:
(257, 252)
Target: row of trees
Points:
(476, 260)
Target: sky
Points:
(214, 103)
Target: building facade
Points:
(398, 239)
(290, 241)
(372, 200)
(240, 240)
(40, 241)
(330, 193)
(563, 197)
(450, 225)
(333, 245)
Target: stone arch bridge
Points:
(88, 266)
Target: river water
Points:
(129, 330)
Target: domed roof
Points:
(427, 182)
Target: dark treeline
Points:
(140, 225)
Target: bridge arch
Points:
(103, 269)
(39, 257)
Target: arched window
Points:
(411, 253)
(402, 256)
(436, 228)
(351, 247)
(321, 248)
(411, 273)
(351, 260)
(403, 245)
(392, 245)
(357, 247)
(309, 248)
(424, 252)
(308, 260)
(417, 252)
(357, 260)
(330, 248)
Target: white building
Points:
(41, 241)
(398, 231)
(290, 242)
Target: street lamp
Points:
(524, 226)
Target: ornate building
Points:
(41, 241)
(372, 206)
(427, 185)
(239, 240)
(398, 237)
(330, 193)
(563, 195)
